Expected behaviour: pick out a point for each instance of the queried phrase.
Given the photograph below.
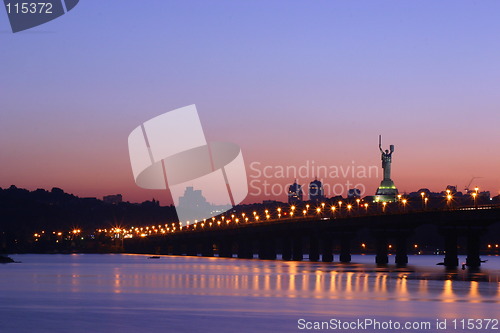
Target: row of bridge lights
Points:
(163, 229)
(146, 231)
(254, 217)
(174, 227)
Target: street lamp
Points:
(422, 194)
(366, 207)
(448, 198)
(426, 200)
(358, 201)
(383, 206)
(404, 201)
(474, 196)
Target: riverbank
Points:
(5, 259)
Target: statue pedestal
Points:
(386, 192)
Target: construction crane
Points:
(467, 187)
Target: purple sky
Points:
(289, 81)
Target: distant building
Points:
(485, 195)
(151, 203)
(295, 193)
(451, 189)
(195, 207)
(425, 191)
(354, 193)
(316, 190)
(193, 198)
(112, 199)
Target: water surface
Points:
(131, 293)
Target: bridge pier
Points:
(297, 252)
(450, 248)
(402, 249)
(225, 247)
(267, 248)
(473, 247)
(245, 248)
(192, 249)
(286, 248)
(207, 248)
(382, 257)
(345, 248)
(163, 248)
(313, 248)
(326, 250)
(177, 248)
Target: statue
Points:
(387, 191)
(386, 158)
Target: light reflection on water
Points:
(182, 294)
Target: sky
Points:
(293, 83)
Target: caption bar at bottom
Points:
(473, 324)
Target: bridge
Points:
(321, 232)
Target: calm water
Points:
(130, 293)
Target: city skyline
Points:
(288, 83)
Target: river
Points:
(132, 293)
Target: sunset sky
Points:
(291, 82)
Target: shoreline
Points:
(5, 259)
